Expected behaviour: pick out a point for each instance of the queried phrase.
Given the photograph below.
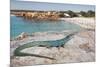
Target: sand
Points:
(88, 23)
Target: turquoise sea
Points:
(19, 25)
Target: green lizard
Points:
(51, 43)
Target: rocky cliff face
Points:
(39, 15)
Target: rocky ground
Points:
(81, 48)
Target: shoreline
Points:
(87, 23)
(53, 34)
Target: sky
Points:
(25, 5)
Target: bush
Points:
(89, 13)
(71, 13)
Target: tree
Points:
(91, 13)
(84, 14)
(71, 13)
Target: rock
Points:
(81, 48)
(22, 36)
(85, 47)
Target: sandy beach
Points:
(88, 23)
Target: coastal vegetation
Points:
(89, 13)
(51, 15)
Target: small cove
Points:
(19, 25)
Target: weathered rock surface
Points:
(22, 36)
(81, 48)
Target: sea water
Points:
(19, 25)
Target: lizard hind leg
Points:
(45, 46)
(62, 45)
(41, 45)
